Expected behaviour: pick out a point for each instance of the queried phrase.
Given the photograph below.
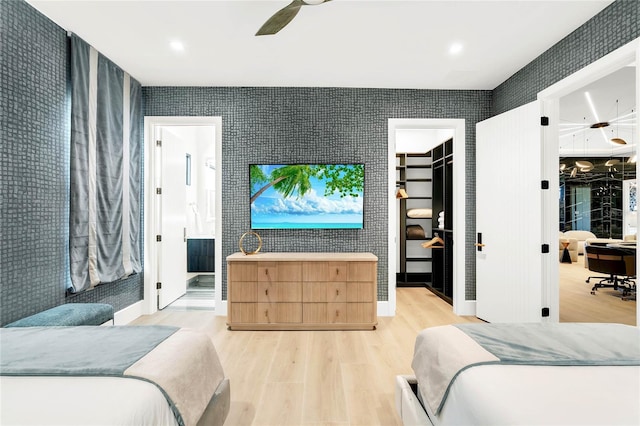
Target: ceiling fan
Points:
(282, 17)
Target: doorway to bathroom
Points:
(187, 189)
(182, 200)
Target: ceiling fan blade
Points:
(281, 18)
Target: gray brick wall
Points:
(259, 124)
(289, 125)
(34, 170)
(612, 28)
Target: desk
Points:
(628, 293)
(623, 245)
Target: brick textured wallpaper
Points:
(34, 170)
(612, 28)
(289, 125)
(259, 125)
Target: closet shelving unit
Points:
(428, 180)
(414, 175)
(442, 259)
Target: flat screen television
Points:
(307, 196)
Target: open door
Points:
(172, 261)
(509, 216)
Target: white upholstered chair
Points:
(581, 237)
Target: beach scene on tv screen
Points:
(307, 196)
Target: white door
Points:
(509, 216)
(172, 259)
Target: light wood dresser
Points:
(302, 291)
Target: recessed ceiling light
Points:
(177, 45)
(455, 48)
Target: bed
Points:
(92, 375)
(523, 374)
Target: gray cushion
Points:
(69, 314)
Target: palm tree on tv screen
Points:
(348, 180)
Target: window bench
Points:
(70, 314)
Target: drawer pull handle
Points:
(266, 272)
(266, 312)
(337, 271)
(266, 292)
(337, 313)
(337, 292)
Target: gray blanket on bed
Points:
(182, 363)
(558, 344)
(76, 351)
(442, 353)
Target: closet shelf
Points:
(414, 174)
(418, 180)
(418, 198)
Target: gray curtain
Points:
(106, 116)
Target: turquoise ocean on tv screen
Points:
(323, 225)
(332, 196)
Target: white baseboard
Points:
(465, 308)
(384, 309)
(128, 314)
(221, 310)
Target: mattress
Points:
(533, 374)
(110, 375)
(95, 401)
(542, 395)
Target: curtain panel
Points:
(106, 116)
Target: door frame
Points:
(152, 221)
(550, 99)
(461, 306)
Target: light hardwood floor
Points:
(347, 377)
(577, 304)
(318, 377)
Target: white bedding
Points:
(123, 401)
(529, 374)
(179, 374)
(542, 395)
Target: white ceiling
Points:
(612, 100)
(342, 43)
(352, 43)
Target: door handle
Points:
(479, 241)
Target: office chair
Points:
(619, 264)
